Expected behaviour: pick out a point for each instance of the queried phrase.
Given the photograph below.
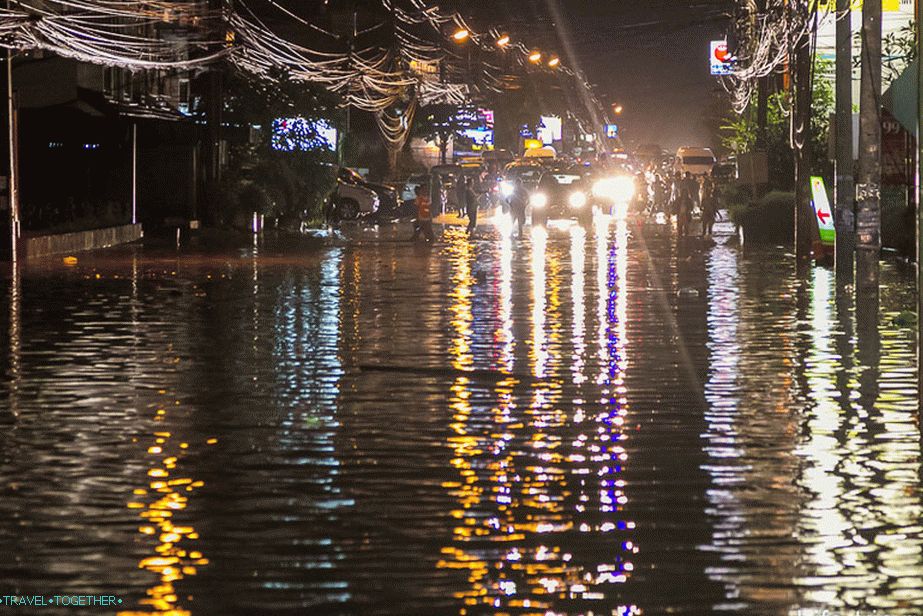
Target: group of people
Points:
(680, 195)
(467, 202)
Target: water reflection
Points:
(537, 444)
(161, 502)
(539, 475)
(853, 509)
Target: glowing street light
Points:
(461, 35)
(554, 62)
(503, 41)
(616, 108)
(536, 57)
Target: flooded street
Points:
(576, 422)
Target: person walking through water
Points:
(518, 201)
(709, 205)
(688, 192)
(424, 223)
(461, 186)
(471, 205)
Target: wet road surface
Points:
(575, 422)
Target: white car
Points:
(352, 197)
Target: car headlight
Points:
(538, 200)
(623, 188)
(506, 188)
(577, 199)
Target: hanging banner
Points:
(822, 211)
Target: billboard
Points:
(721, 60)
(550, 129)
(478, 136)
(302, 135)
(612, 131)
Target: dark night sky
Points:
(649, 55)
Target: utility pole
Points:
(801, 136)
(762, 113)
(134, 173)
(868, 183)
(214, 111)
(844, 215)
(349, 108)
(919, 180)
(762, 92)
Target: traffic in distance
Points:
(542, 187)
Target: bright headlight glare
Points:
(577, 199)
(619, 188)
(538, 200)
(506, 188)
(623, 188)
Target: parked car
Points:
(353, 196)
(387, 196)
(409, 192)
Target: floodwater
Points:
(572, 423)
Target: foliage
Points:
(739, 131)
(898, 49)
(769, 219)
(289, 186)
(440, 122)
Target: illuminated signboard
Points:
(612, 131)
(722, 62)
(479, 136)
(822, 211)
(303, 135)
(550, 129)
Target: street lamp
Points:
(503, 41)
(535, 57)
(461, 35)
(554, 62)
(616, 108)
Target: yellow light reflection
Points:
(167, 496)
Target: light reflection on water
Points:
(531, 441)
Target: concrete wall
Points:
(69, 243)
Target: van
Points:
(697, 161)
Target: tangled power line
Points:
(407, 60)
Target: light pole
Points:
(13, 177)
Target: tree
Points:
(739, 131)
(440, 122)
(278, 179)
